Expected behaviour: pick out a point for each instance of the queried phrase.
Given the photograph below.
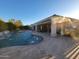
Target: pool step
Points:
(74, 53)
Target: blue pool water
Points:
(20, 38)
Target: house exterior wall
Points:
(54, 23)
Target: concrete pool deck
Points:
(55, 46)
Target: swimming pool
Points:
(20, 38)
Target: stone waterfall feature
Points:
(4, 34)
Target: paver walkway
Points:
(55, 46)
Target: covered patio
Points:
(52, 25)
(56, 25)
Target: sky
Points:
(31, 11)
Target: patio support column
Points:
(47, 28)
(36, 28)
(41, 27)
(33, 28)
(53, 27)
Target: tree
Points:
(3, 25)
(27, 27)
(12, 21)
(18, 23)
(11, 26)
